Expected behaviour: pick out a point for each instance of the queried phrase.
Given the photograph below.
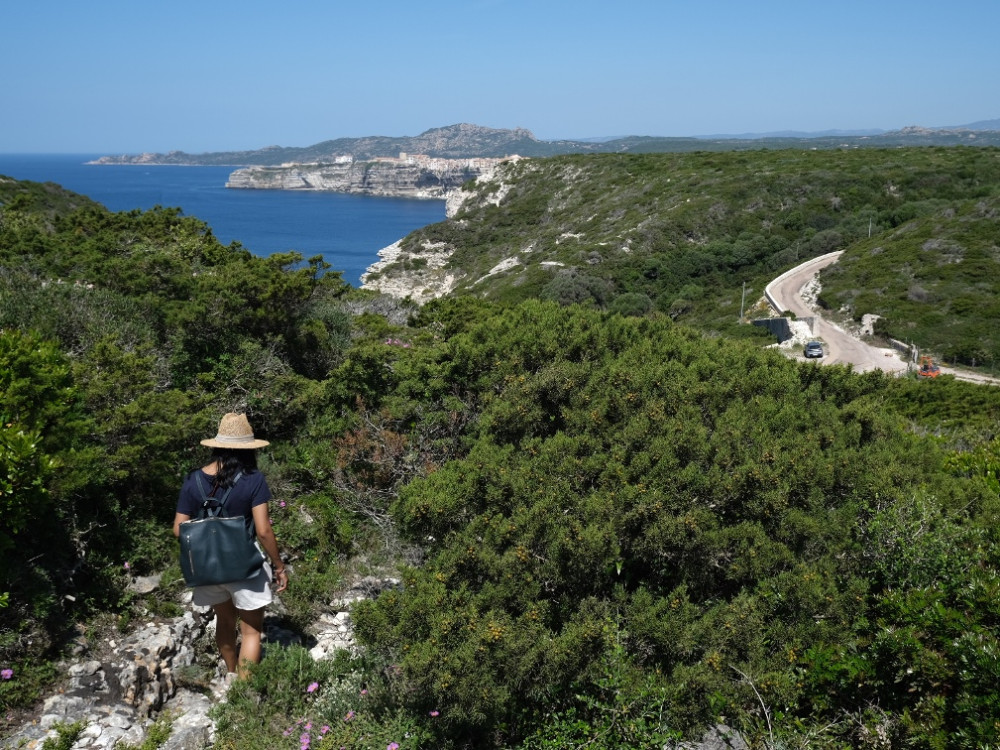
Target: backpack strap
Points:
(206, 501)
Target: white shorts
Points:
(248, 595)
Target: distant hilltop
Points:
(461, 141)
(465, 141)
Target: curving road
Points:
(840, 347)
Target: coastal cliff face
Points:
(397, 178)
(421, 276)
(424, 273)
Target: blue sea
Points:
(347, 230)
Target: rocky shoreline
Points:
(423, 274)
(419, 277)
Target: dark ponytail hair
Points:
(231, 462)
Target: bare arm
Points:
(178, 520)
(262, 520)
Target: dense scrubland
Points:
(613, 528)
(683, 234)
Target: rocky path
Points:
(120, 687)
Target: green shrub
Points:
(66, 736)
(290, 701)
(633, 303)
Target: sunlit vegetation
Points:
(682, 233)
(932, 278)
(612, 529)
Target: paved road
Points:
(839, 346)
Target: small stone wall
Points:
(778, 326)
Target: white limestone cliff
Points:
(424, 274)
(403, 177)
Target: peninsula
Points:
(466, 141)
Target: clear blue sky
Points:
(124, 76)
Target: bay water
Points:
(347, 230)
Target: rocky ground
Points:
(424, 275)
(429, 281)
(121, 684)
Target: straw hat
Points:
(235, 432)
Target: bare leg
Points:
(251, 626)
(225, 633)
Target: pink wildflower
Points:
(313, 687)
(349, 716)
(435, 713)
(364, 691)
(6, 674)
(392, 746)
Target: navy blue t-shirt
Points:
(250, 491)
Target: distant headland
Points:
(440, 160)
(466, 141)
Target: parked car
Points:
(813, 349)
